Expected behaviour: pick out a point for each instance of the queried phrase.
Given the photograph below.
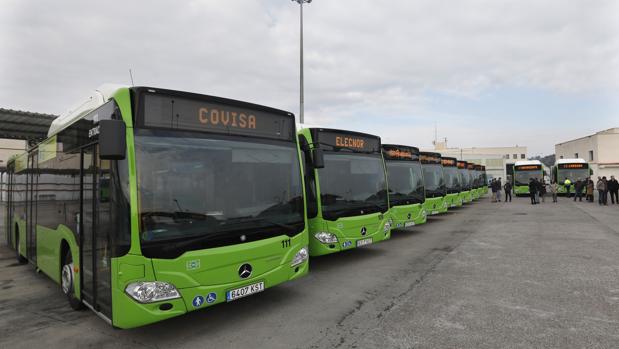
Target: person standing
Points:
(541, 188)
(568, 184)
(613, 189)
(493, 187)
(499, 186)
(553, 187)
(601, 188)
(508, 191)
(590, 189)
(605, 202)
(578, 186)
(532, 188)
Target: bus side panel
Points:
(49, 242)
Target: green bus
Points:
(484, 177)
(572, 169)
(523, 172)
(145, 203)
(346, 190)
(474, 178)
(481, 177)
(405, 182)
(434, 183)
(453, 185)
(465, 193)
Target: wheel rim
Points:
(67, 277)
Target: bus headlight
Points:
(387, 227)
(325, 237)
(152, 291)
(300, 257)
(424, 213)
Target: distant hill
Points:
(548, 160)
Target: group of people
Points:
(603, 185)
(538, 190)
(496, 187)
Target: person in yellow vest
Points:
(568, 186)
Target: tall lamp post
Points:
(301, 98)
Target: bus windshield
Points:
(350, 183)
(433, 180)
(452, 179)
(523, 177)
(216, 192)
(405, 182)
(464, 179)
(573, 174)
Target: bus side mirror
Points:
(318, 158)
(112, 140)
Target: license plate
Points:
(364, 242)
(408, 224)
(434, 212)
(244, 291)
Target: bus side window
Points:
(310, 181)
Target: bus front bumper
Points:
(350, 233)
(128, 313)
(434, 206)
(453, 200)
(406, 216)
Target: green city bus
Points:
(405, 182)
(434, 183)
(523, 172)
(480, 172)
(474, 180)
(145, 203)
(453, 185)
(465, 193)
(574, 169)
(484, 179)
(346, 189)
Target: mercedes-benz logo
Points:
(245, 271)
(363, 230)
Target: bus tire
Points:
(67, 277)
(18, 256)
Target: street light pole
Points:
(301, 97)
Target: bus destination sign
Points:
(179, 113)
(470, 166)
(449, 162)
(395, 152)
(573, 166)
(462, 164)
(430, 158)
(349, 141)
(528, 167)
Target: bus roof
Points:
(527, 162)
(99, 97)
(570, 161)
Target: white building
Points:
(600, 150)
(499, 161)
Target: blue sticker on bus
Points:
(197, 301)
(346, 244)
(211, 297)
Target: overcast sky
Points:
(487, 72)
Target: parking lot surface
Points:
(506, 275)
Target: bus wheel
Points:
(67, 280)
(20, 259)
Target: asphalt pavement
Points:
(505, 275)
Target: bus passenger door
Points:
(31, 206)
(94, 233)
